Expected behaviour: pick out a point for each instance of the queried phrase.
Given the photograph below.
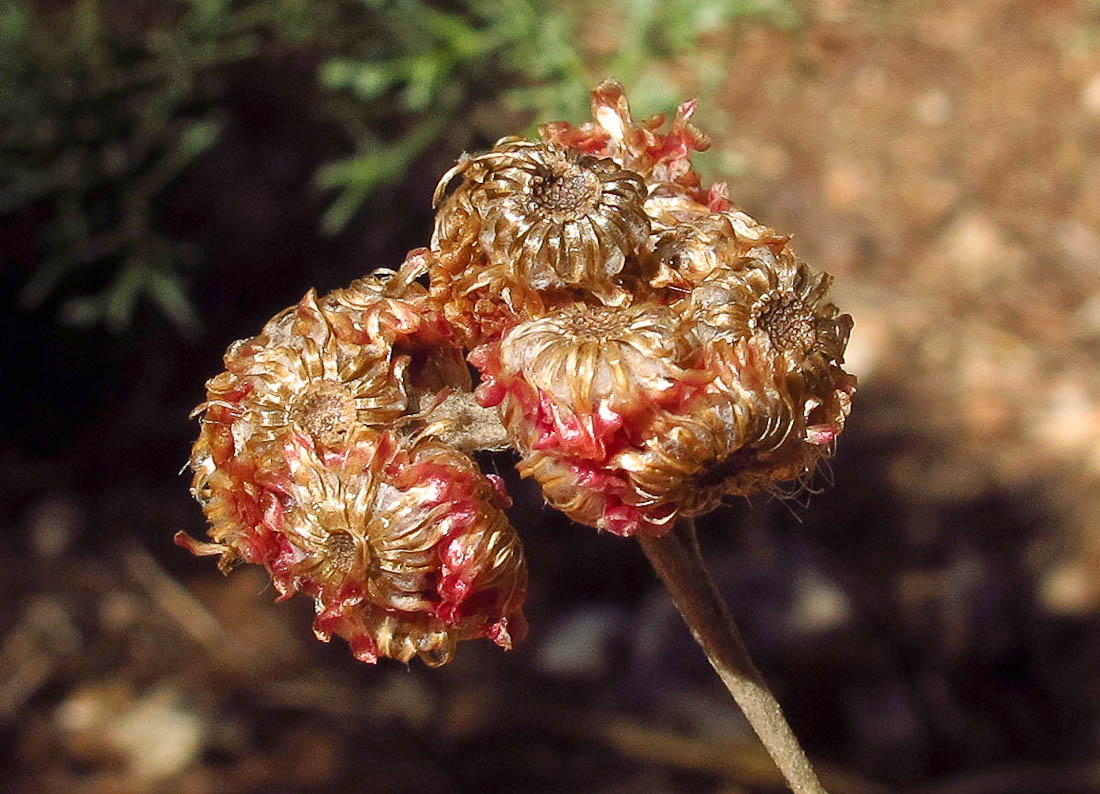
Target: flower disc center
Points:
(338, 558)
(566, 192)
(326, 410)
(343, 552)
(787, 320)
(594, 323)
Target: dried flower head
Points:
(402, 544)
(400, 540)
(557, 218)
(398, 313)
(754, 428)
(404, 548)
(629, 418)
(599, 358)
(688, 251)
(298, 374)
(776, 301)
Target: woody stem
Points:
(677, 560)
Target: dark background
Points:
(175, 173)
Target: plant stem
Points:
(677, 560)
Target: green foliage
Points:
(436, 68)
(104, 104)
(92, 127)
(97, 119)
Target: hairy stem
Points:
(678, 562)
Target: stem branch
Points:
(677, 560)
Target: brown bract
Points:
(480, 301)
(699, 241)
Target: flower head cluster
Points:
(647, 348)
(718, 374)
(310, 462)
(631, 418)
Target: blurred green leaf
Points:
(196, 138)
(120, 297)
(636, 40)
(423, 77)
(167, 292)
(207, 12)
(359, 176)
(14, 22)
(88, 25)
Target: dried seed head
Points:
(300, 375)
(414, 332)
(400, 540)
(391, 308)
(754, 428)
(402, 545)
(631, 417)
(558, 219)
(591, 358)
(776, 300)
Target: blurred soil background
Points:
(173, 173)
